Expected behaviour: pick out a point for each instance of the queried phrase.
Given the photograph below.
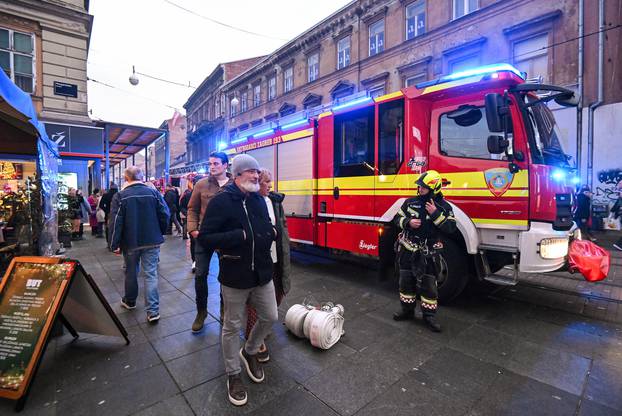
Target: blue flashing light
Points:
(222, 146)
(294, 124)
(559, 175)
(358, 101)
(201, 171)
(576, 180)
(263, 133)
(482, 70)
(240, 140)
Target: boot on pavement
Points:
(430, 321)
(197, 325)
(407, 312)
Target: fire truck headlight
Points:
(553, 248)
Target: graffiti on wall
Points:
(606, 191)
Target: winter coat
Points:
(204, 190)
(441, 221)
(106, 201)
(238, 226)
(183, 202)
(582, 211)
(92, 200)
(283, 266)
(138, 218)
(172, 200)
(85, 209)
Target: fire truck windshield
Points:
(546, 135)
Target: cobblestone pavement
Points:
(551, 345)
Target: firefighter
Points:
(422, 219)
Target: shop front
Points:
(28, 178)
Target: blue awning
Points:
(17, 104)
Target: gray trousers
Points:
(263, 299)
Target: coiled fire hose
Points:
(323, 327)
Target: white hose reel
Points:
(323, 327)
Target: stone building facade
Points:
(43, 42)
(375, 47)
(206, 110)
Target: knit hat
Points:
(242, 163)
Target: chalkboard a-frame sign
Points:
(34, 292)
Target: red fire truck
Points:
(346, 171)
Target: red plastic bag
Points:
(589, 259)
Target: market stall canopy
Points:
(19, 127)
(125, 140)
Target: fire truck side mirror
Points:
(496, 110)
(497, 144)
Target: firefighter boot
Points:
(430, 321)
(407, 312)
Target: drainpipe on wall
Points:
(599, 101)
(580, 90)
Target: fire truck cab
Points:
(346, 171)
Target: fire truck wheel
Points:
(453, 273)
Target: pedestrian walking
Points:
(139, 217)
(171, 196)
(616, 210)
(204, 190)
(582, 211)
(105, 204)
(93, 201)
(183, 209)
(74, 204)
(237, 223)
(422, 219)
(279, 252)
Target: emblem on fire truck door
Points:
(498, 180)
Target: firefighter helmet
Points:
(431, 180)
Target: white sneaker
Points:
(194, 266)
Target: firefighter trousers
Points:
(418, 281)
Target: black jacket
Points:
(172, 200)
(442, 220)
(583, 206)
(283, 266)
(106, 202)
(183, 202)
(239, 227)
(138, 218)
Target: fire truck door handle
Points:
(336, 192)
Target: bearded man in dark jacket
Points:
(237, 224)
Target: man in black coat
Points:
(582, 211)
(237, 224)
(171, 196)
(106, 203)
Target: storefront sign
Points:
(34, 292)
(65, 90)
(76, 140)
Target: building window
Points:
(376, 38)
(257, 95)
(464, 7)
(233, 108)
(464, 64)
(415, 19)
(313, 65)
(17, 58)
(288, 79)
(272, 88)
(414, 80)
(376, 91)
(343, 52)
(223, 106)
(244, 101)
(531, 56)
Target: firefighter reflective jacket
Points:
(441, 221)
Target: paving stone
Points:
(127, 395)
(485, 344)
(590, 408)
(171, 325)
(604, 385)
(559, 369)
(183, 343)
(409, 397)
(363, 330)
(198, 367)
(512, 394)
(175, 405)
(296, 401)
(457, 375)
(211, 398)
(174, 303)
